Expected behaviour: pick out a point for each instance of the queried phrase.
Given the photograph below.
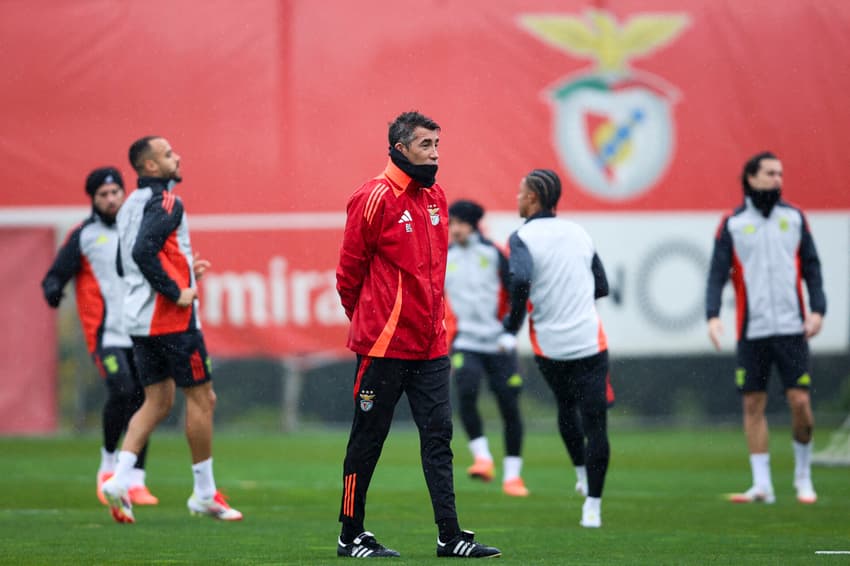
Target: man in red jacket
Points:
(390, 279)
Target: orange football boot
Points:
(482, 469)
(141, 495)
(515, 488)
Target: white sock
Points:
(512, 467)
(760, 464)
(137, 477)
(480, 448)
(581, 475)
(593, 504)
(123, 468)
(204, 481)
(107, 461)
(802, 460)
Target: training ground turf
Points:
(663, 504)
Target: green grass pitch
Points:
(663, 503)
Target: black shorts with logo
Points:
(790, 354)
(117, 367)
(181, 356)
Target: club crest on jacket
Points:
(434, 211)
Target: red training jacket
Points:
(392, 268)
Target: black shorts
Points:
(756, 357)
(501, 369)
(117, 367)
(181, 356)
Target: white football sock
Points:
(512, 467)
(480, 448)
(802, 460)
(581, 475)
(760, 464)
(204, 481)
(137, 477)
(107, 461)
(123, 468)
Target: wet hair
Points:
(752, 166)
(546, 184)
(138, 152)
(401, 129)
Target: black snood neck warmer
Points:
(764, 201)
(425, 175)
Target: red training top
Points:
(392, 268)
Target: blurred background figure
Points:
(766, 246)
(476, 288)
(89, 256)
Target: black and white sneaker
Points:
(462, 546)
(364, 546)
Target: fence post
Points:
(293, 382)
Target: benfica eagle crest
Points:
(613, 126)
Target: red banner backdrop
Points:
(285, 302)
(81, 80)
(27, 352)
(281, 107)
(738, 77)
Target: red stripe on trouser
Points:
(197, 366)
(350, 486)
(364, 365)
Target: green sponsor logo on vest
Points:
(749, 229)
(483, 262)
(515, 380)
(102, 239)
(783, 224)
(740, 376)
(451, 267)
(457, 360)
(208, 362)
(805, 380)
(110, 362)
